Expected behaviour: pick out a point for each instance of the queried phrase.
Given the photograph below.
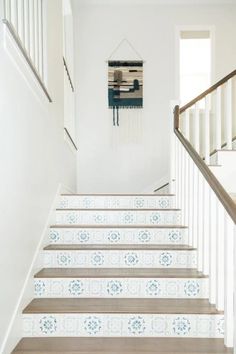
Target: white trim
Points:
(13, 333)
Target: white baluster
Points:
(206, 227)
(218, 118)
(196, 127)
(186, 124)
(229, 134)
(207, 130)
(4, 4)
(36, 35)
(212, 248)
(8, 10)
(195, 206)
(176, 173)
(40, 16)
(186, 188)
(229, 281)
(14, 14)
(27, 25)
(199, 202)
(182, 184)
(190, 201)
(179, 174)
(220, 232)
(21, 21)
(32, 30)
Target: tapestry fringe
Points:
(126, 107)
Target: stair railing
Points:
(25, 20)
(201, 127)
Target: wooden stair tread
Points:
(105, 226)
(116, 209)
(118, 273)
(118, 195)
(116, 247)
(121, 306)
(69, 345)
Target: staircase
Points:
(119, 276)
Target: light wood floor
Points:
(100, 305)
(121, 345)
(72, 247)
(119, 273)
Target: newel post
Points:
(176, 117)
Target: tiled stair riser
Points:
(119, 202)
(118, 236)
(118, 217)
(120, 325)
(116, 259)
(122, 288)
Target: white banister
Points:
(32, 30)
(229, 281)
(27, 25)
(196, 127)
(186, 125)
(229, 112)
(25, 19)
(220, 244)
(208, 209)
(190, 201)
(195, 206)
(36, 34)
(186, 190)
(200, 223)
(207, 130)
(206, 227)
(21, 20)
(212, 247)
(218, 118)
(183, 184)
(14, 14)
(40, 33)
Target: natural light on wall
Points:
(195, 64)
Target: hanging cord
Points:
(131, 46)
(114, 121)
(117, 116)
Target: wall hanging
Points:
(125, 84)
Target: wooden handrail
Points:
(70, 137)
(164, 185)
(68, 75)
(207, 92)
(216, 186)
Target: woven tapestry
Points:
(125, 86)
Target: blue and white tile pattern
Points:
(120, 325)
(119, 258)
(122, 288)
(118, 236)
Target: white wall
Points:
(34, 157)
(106, 166)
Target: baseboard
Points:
(14, 331)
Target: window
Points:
(195, 64)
